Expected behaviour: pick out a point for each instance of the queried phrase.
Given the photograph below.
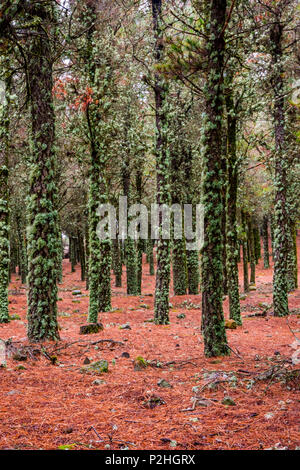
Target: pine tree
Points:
(231, 203)
(265, 235)
(213, 327)
(161, 311)
(280, 289)
(42, 206)
(4, 203)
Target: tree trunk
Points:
(4, 212)
(215, 342)
(251, 241)
(245, 252)
(281, 238)
(265, 234)
(231, 200)
(161, 306)
(42, 209)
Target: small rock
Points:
(68, 430)
(86, 361)
(164, 384)
(269, 415)
(181, 315)
(140, 363)
(252, 287)
(90, 328)
(76, 292)
(125, 354)
(99, 382)
(14, 317)
(126, 326)
(228, 401)
(98, 367)
(230, 324)
(20, 356)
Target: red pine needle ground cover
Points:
(46, 405)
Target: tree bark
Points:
(42, 208)
(161, 308)
(215, 342)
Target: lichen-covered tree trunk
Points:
(150, 256)
(81, 254)
(292, 264)
(265, 234)
(272, 234)
(4, 211)
(179, 261)
(257, 245)
(231, 201)
(130, 246)
(179, 264)
(213, 327)
(251, 241)
(87, 255)
(118, 263)
(94, 242)
(224, 219)
(99, 250)
(72, 252)
(60, 258)
(245, 251)
(161, 306)
(42, 207)
(192, 256)
(98, 78)
(22, 248)
(140, 242)
(281, 236)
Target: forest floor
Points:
(51, 403)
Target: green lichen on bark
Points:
(21, 232)
(192, 257)
(179, 264)
(161, 305)
(98, 76)
(42, 203)
(4, 210)
(265, 235)
(257, 245)
(213, 327)
(231, 207)
(118, 267)
(245, 251)
(292, 262)
(150, 256)
(251, 244)
(281, 231)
